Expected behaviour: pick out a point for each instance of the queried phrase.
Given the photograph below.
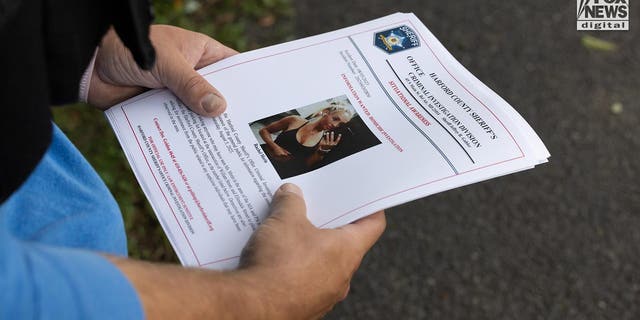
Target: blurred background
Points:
(561, 241)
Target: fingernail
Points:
(211, 103)
(290, 187)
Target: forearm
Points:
(266, 137)
(174, 292)
(274, 148)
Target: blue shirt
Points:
(52, 231)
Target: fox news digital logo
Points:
(610, 15)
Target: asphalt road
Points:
(561, 241)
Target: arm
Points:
(40, 280)
(173, 292)
(277, 126)
(289, 270)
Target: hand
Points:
(304, 271)
(288, 270)
(179, 52)
(329, 141)
(279, 152)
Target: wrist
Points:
(264, 298)
(165, 290)
(272, 145)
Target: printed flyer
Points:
(362, 119)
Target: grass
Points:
(242, 25)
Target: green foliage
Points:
(228, 21)
(232, 22)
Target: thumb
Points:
(288, 204)
(287, 213)
(190, 87)
(366, 231)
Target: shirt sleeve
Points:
(39, 281)
(51, 230)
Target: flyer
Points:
(362, 119)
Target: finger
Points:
(339, 137)
(366, 231)
(288, 204)
(104, 95)
(214, 51)
(199, 95)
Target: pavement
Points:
(561, 241)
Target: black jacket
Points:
(45, 46)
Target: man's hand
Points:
(304, 271)
(179, 52)
(289, 270)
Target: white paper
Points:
(210, 182)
